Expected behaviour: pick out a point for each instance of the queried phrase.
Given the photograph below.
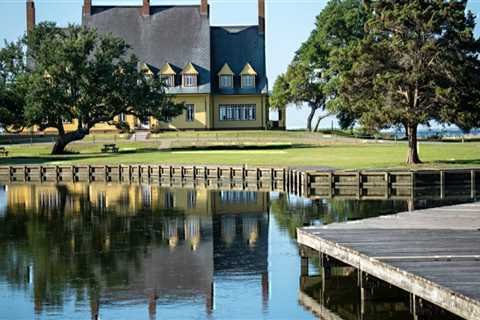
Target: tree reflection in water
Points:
(77, 249)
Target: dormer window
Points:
(226, 81)
(189, 76)
(145, 69)
(167, 74)
(248, 75)
(189, 80)
(169, 81)
(225, 77)
(248, 81)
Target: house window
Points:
(238, 112)
(190, 112)
(238, 196)
(226, 81)
(189, 80)
(169, 81)
(248, 81)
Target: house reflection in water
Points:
(130, 242)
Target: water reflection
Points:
(143, 251)
(339, 291)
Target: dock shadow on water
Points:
(141, 251)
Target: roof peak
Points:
(226, 70)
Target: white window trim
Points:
(185, 83)
(248, 84)
(228, 84)
(169, 80)
(237, 112)
(192, 118)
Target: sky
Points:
(289, 23)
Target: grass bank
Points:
(340, 155)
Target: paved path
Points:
(432, 253)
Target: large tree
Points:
(300, 85)
(81, 77)
(311, 77)
(417, 63)
(12, 68)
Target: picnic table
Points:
(110, 148)
(4, 151)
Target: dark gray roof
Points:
(238, 46)
(174, 34)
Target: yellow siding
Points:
(258, 100)
(206, 117)
(202, 109)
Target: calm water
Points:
(119, 251)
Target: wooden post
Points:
(413, 306)
(130, 173)
(387, 185)
(149, 173)
(272, 178)
(259, 174)
(194, 173)
(473, 184)
(40, 172)
(362, 293)
(160, 173)
(413, 184)
(139, 173)
(171, 172)
(304, 266)
(442, 184)
(10, 173)
(57, 173)
(120, 172)
(205, 173)
(73, 173)
(89, 173)
(359, 185)
(331, 178)
(244, 173)
(231, 173)
(25, 173)
(106, 173)
(284, 182)
(219, 173)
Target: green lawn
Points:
(336, 155)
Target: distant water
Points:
(296, 120)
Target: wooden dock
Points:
(313, 184)
(434, 254)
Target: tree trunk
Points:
(320, 118)
(63, 139)
(310, 118)
(412, 155)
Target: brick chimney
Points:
(146, 8)
(87, 7)
(261, 16)
(204, 8)
(30, 15)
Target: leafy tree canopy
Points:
(12, 67)
(418, 62)
(78, 76)
(312, 75)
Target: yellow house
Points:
(218, 72)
